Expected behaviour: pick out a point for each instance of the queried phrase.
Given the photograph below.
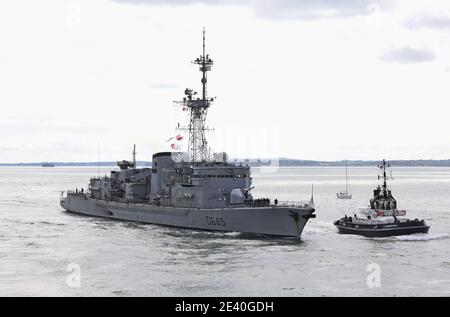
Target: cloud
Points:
(428, 20)
(185, 2)
(285, 9)
(407, 55)
(310, 9)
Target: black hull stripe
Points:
(383, 229)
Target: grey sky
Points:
(323, 80)
(428, 19)
(283, 9)
(164, 85)
(408, 55)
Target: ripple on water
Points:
(422, 237)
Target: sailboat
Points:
(345, 194)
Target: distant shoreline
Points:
(264, 162)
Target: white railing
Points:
(294, 203)
(75, 193)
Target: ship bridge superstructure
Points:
(382, 195)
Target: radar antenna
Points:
(198, 110)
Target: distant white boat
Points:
(345, 194)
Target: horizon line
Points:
(251, 160)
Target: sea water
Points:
(45, 251)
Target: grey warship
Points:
(192, 189)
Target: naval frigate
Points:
(192, 189)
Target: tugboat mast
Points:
(384, 176)
(198, 109)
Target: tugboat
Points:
(382, 218)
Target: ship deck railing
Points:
(136, 201)
(75, 193)
(295, 203)
(256, 204)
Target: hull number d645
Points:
(215, 221)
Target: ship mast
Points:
(346, 178)
(134, 156)
(384, 177)
(198, 110)
(205, 65)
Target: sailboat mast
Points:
(346, 177)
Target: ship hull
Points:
(272, 220)
(344, 196)
(406, 228)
